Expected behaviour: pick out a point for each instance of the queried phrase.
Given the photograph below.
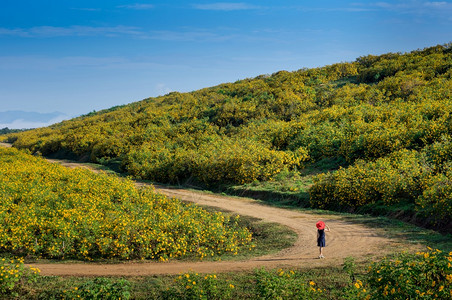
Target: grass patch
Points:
(406, 232)
(268, 238)
(239, 285)
(288, 188)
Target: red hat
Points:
(320, 225)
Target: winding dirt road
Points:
(345, 239)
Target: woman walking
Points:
(321, 229)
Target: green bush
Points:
(196, 286)
(14, 275)
(103, 288)
(424, 275)
(99, 288)
(388, 179)
(435, 203)
(280, 284)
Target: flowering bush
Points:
(280, 284)
(14, 275)
(221, 160)
(99, 288)
(435, 202)
(425, 275)
(50, 211)
(389, 179)
(197, 286)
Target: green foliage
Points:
(196, 286)
(14, 275)
(267, 284)
(96, 289)
(349, 267)
(421, 178)
(389, 179)
(425, 275)
(100, 288)
(6, 130)
(280, 284)
(436, 199)
(221, 160)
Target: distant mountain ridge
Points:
(31, 116)
(18, 119)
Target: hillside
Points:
(386, 118)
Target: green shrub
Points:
(388, 179)
(280, 284)
(98, 288)
(14, 275)
(196, 286)
(424, 275)
(435, 203)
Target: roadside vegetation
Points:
(423, 275)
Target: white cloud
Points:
(354, 7)
(83, 63)
(86, 9)
(187, 35)
(226, 6)
(437, 4)
(138, 6)
(184, 34)
(415, 6)
(13, 32)
(53, 31)
(162, 89)
(24, 124)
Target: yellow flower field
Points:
(51, 211)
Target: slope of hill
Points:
(387, 117)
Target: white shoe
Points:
(321, 256)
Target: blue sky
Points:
(78, 56)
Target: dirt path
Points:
(345, 239)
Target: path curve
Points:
(345, 239)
